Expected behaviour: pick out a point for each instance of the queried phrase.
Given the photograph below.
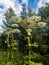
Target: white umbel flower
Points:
(42, 24)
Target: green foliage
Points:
(23, 13)
(8, 15)
(30, 12)
(44, 12)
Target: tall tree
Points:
(8, 15)
(23, 13)
(44, 12)
(30, 12)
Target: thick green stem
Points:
(29, 48)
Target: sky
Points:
(17, 6)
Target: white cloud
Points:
(40, 4)
(17, 7)
(1, 17)
(47, 0)
(1, 23)
(25, 1)
(9, 3)
(6, 4)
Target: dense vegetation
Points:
(25, 39)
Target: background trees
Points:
(44, 12)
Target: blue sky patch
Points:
(33, 3)
(20, 1)
(1, 6)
